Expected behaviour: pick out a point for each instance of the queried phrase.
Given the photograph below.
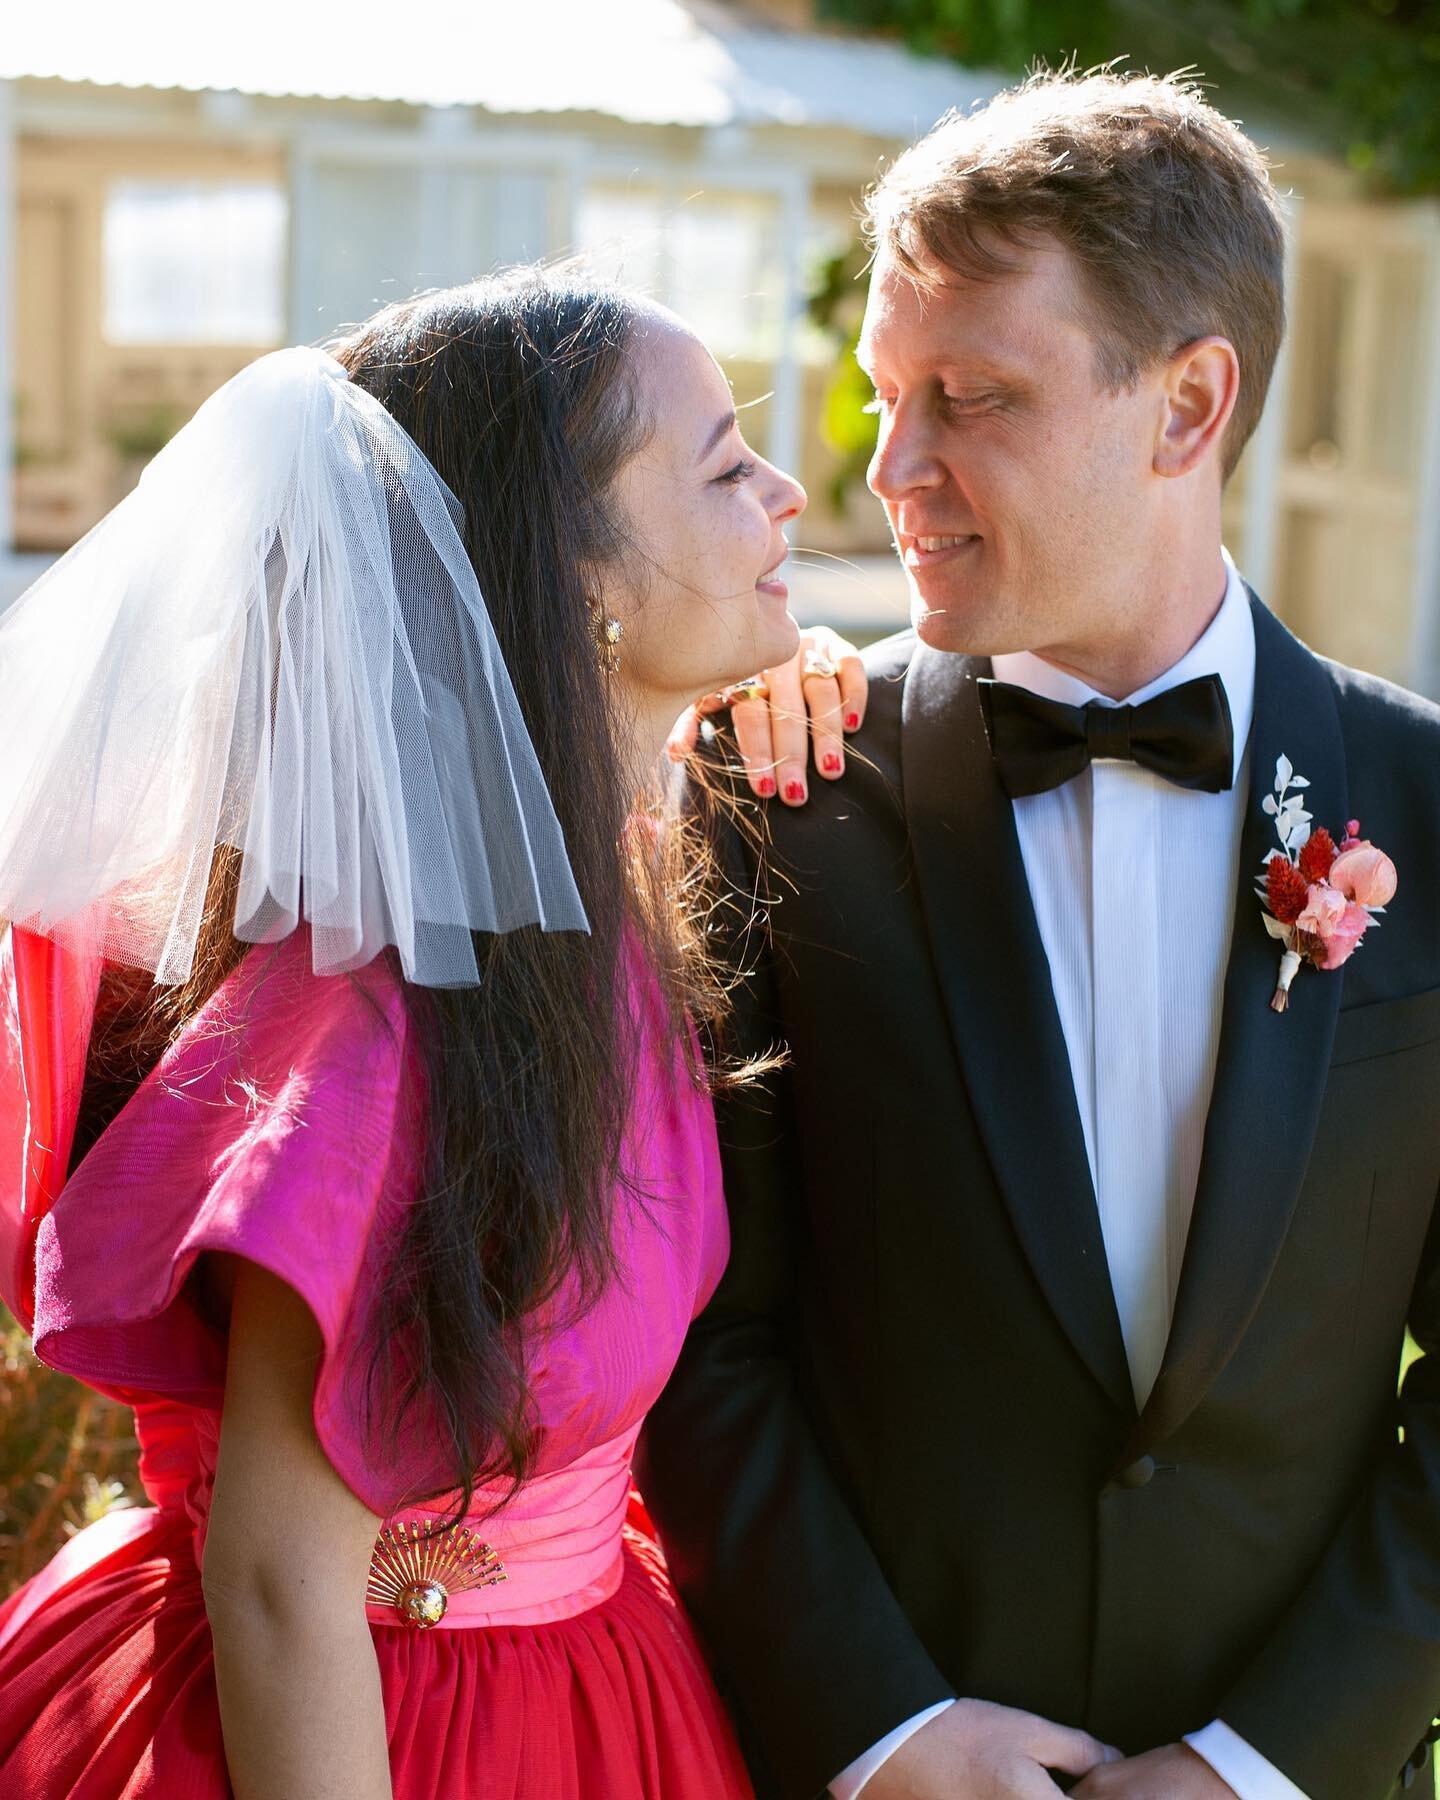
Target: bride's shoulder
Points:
(274, 998)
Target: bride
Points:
(360, 1035)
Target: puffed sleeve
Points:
(283, 1126)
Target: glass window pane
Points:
(194, 263)
(362, 241)
(714, 259)
(621, 231)
(379, 231)
(727, 273)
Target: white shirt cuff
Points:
(848, 1783)
(1241, 1765)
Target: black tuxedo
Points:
(900, 1458)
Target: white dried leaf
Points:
(1270, 805)
(1284, 769)
(1275, 928)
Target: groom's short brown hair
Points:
(1166, 207)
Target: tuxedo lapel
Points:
(995, 979)
(1271, 1066)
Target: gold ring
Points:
(754, 689)
(819, 666)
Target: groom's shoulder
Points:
(1392, 739)
(1382, 712)
(889, 657)
(889, 661)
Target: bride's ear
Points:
(1202, 382)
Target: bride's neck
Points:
(643, 722)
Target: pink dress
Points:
(277, 1129)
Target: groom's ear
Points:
(1200, 384)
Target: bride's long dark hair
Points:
(519, 391)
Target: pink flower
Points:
(1364, 874)
(1323, 911)
(1338, 923)
(1340, 945)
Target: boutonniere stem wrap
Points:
(1320, 897)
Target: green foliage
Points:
(67, 1457)
(836, 302)
(1361, 76)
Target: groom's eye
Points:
(879, 404)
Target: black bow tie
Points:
(1185, 734)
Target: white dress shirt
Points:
(1133, 881)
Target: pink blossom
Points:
(1338, 923)
(1324, 909)
(1364, 874)
(1340, 945)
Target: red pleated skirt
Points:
(108, 1693)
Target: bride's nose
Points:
(788, 499)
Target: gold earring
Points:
(608, 633)
(610, 646)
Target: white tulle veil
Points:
(276, 642)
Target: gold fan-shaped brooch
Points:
(416, 1569)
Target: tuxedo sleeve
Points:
(813, 1650)
(1342, 1691)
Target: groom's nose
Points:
(904, 461)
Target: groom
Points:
(1051, 1390)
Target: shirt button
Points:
(1137, 1474)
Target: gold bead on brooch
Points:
(416, 1569)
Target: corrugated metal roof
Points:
(653, 62)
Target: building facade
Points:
(170, 210)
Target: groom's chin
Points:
(942, 630)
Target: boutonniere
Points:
(1320, 897)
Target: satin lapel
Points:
(1271, 1069)
(995, 979)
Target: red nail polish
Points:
(830, 764)
(767, 786)
(794, 790)
(852, 721)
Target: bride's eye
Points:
(741, 472)
(879, 404)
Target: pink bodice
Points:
(282, 1127)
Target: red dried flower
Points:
(1285, 890)
(1317, 856)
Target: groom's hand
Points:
(977, 1751)
(1175, 1772)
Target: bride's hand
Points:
(789, 708)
